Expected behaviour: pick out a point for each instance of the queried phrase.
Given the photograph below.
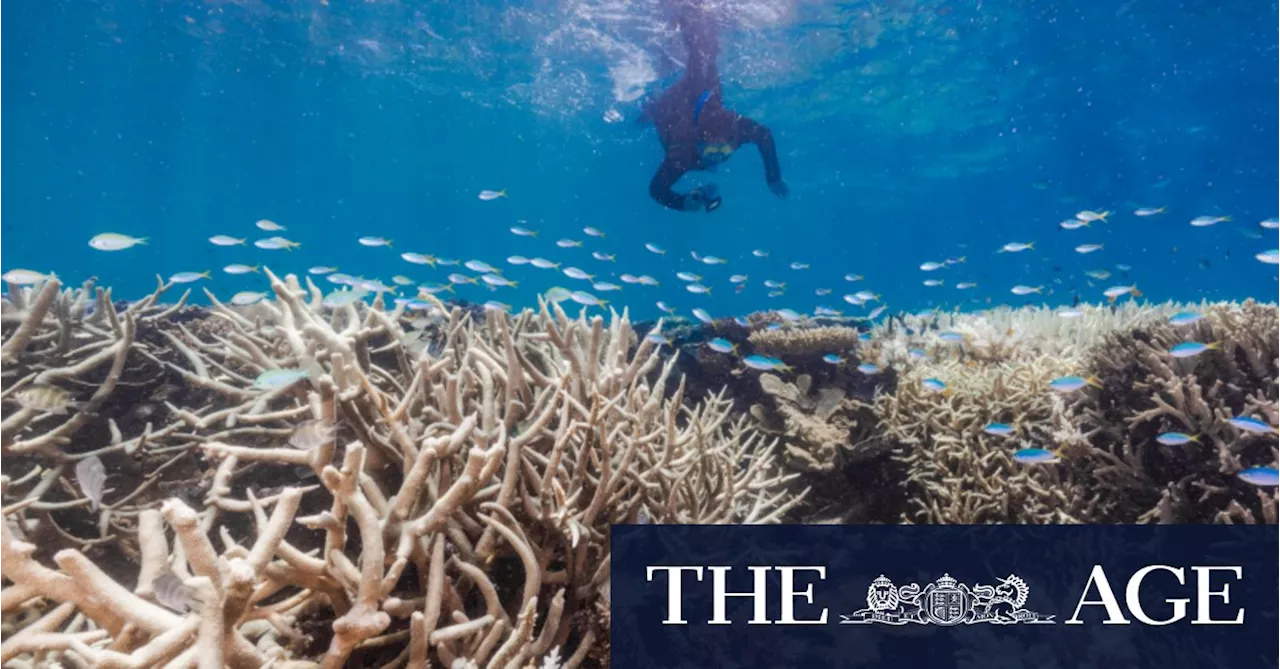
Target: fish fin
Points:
(1135, 292)
(1094, 381)
(501, 193)
(142, 240)
(1031, 245)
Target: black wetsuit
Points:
(691, 115)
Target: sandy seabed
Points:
(292, 485)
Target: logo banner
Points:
(1163, 597)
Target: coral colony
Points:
(290, 482)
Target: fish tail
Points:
(1214, 345)
(1030, 245)
(1135, 292)
(143, 240)
(255, 268)
(502, 193)
(1094, 381)
(388, 243)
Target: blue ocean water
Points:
(908, 132)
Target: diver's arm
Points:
(702, 197)
(749, 131)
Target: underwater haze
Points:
(908, 133)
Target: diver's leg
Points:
(698, 29)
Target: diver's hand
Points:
(705, 197)
(780, 189)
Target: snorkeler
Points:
(696, 130)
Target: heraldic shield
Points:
(946, 605)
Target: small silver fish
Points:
(568, 243)
(240, 269)
(171, 592)
(575, 273)
(189, 277)
(375, 241)
(310, 434)
(487, 195)
(112, 241)
(278, 378)
(91, 475)
(226, 240)
(592, 232)
(269, 226)
(245, 298)
(276, 243)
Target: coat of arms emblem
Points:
(946, 602)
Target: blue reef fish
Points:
(770, 283)
(592, 232)
(875, 313)
(517, 260)
(245, 298)
(543, 263)
(654, 248)
(240, 269)
(951, 336)
(917, 354)
(702, 315)
(1072, 224)
(1260, 476)
(1014, 247)
(789, 315)
(932, 266)
(1091, 216)
(1088, 248)
(658, 338)
(742, 321)
(666, 307)
(765, 363)
(1271, 257)
(1188, 349)
(494, 305)
(998, 429)
(688, 276)
(934, 384)
(487, 195)
(722, 345)
(1066, 384)
(864, 337)
(1176, 438)
(697, 288)
(568, 243)
(1036, 456)
(853, 277)
(575, 273)
(345, 296)
(646, 280)
(832, 358)
(375, 241)
(604, 257)
(868, 368)
(1251, 425)
(1026, 290)
(523, 232)
(1185, 318)
(498, 281)
(1148, 211)
(279, 378)
(605, 286)
(736, 278)
(269, 225)
(226, 240)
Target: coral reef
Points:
(340, 490)
(291, 484)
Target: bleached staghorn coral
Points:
(959, 474)
(517, 442)
(790, 341)
(1147, 392)
(1006, 334)
(999, 372)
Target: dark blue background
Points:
(1055, 561)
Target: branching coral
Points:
(1147, 392)
(463, 500)
(785, 342)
